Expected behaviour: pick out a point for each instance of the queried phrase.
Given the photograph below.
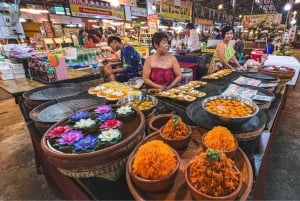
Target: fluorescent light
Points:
(33, 11)
(22, 19)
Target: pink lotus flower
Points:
(102, 109)
(113, 123)
(57, 131)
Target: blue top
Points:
(218, 37)
(131, 62)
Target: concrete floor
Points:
(19, 181)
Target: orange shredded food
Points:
(213, 177)
(154, 160)
(220, 138)
(175, 128)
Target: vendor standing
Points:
(161, 70)
(224, 56)
(130, 59)
(193, 43)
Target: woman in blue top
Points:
(130, 59)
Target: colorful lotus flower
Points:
(112, 123)
(57, 131)
(70, 137)
(110, 135)
(125, 110)
(88, 142)
(106, 116)
(102, 109)
(85, 123)
(80, 115)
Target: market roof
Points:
(243, 7)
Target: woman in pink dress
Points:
(161, 70)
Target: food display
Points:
(176, 133)
(113, 91)
(229, 107)
(154, 166)
(141, 104)
(217, 75)
(212, 174)
(221, 139)
(144, 103)
(185, 92)
(175, 128)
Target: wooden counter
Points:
(21, 85)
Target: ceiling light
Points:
(115, 3)
(287, 7)
(34, 11)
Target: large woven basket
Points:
(108, 162)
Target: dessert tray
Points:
(113, 91)
(185, 92)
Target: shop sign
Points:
(175, 9)
(152, 22)
(128, 2)
(203, 22)
(96, 9)
(261, 20)
(139, 12)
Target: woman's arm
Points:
(177, 73)
(146, 75)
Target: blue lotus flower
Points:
(106, 116)
(85, 143)
(79, 115)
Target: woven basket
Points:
(108, 162)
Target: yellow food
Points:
(144, 105)
(229, 108)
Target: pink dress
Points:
(162, 76)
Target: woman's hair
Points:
(112, 38)
(158, 37)
(226, 29)
(81, 31)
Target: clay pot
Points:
(158, 121)
(197, 195)
(228, 153)
(153, 185)
(177, 144)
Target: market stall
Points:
(88, 188)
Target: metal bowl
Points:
(124, 101)
(226, 120)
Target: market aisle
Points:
(283, 178)
(18, 178)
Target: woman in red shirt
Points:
(161, 70)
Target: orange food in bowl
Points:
(228, 108)
(175, 129)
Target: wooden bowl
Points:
(177, 144)
(156, 122)
(197, 195)
(154, 185)
(228, 153)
